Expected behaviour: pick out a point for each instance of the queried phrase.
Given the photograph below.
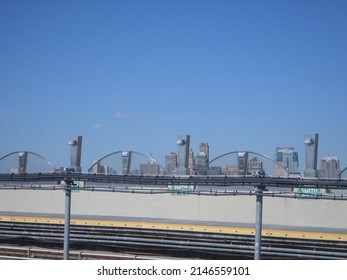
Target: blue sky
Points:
(132, 75)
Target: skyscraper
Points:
(75, 153)
(242, 160)
(170, 163)
(183, 143)
(150, 168)
(330, 167)
(288, 160)
(23, 162)
(205, 150)
(311, 150)
(126, 162)
(201, 159)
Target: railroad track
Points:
(137, 243)
(15, 252)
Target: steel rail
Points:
(157, 191)
(13, 252)
(207, 247)
(172, 234)
(228, 246)
(180, 180)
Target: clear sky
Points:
(133, 75)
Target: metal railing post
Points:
(67, 221)
(258, 223)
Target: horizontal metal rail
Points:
(164, 190)
(180, 180)
(15, 252)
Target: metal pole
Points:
(67, 221)
(258, 224)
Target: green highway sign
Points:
(309, 192)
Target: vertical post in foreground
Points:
(67, 221)
(258, 223)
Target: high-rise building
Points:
(75, 153)
(204, 149)
(150, 168)
(254, 166)
(170, 163)
(201, 159)
(183, 143)
(330, 167)
(191, 163)
(242, 159)
(126, 162)
(201, 162)
(23, 162)
(96, 167)
(288, 161)
(106, 169)
(311, 149)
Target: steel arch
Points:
(339, 176)
(32, 153)
(118, 152)
(236, 152)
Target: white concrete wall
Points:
(241, 209)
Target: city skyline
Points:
(132, 75)
(196, 163)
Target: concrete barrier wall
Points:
(239, 209)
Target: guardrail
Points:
(267, 181)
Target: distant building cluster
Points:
(187, 162)
(286, 162)
(197, 163)
(102, 169)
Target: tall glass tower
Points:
(23, 162)
(288, 158)
(75, 153)
(311, 150)
(183, 143)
